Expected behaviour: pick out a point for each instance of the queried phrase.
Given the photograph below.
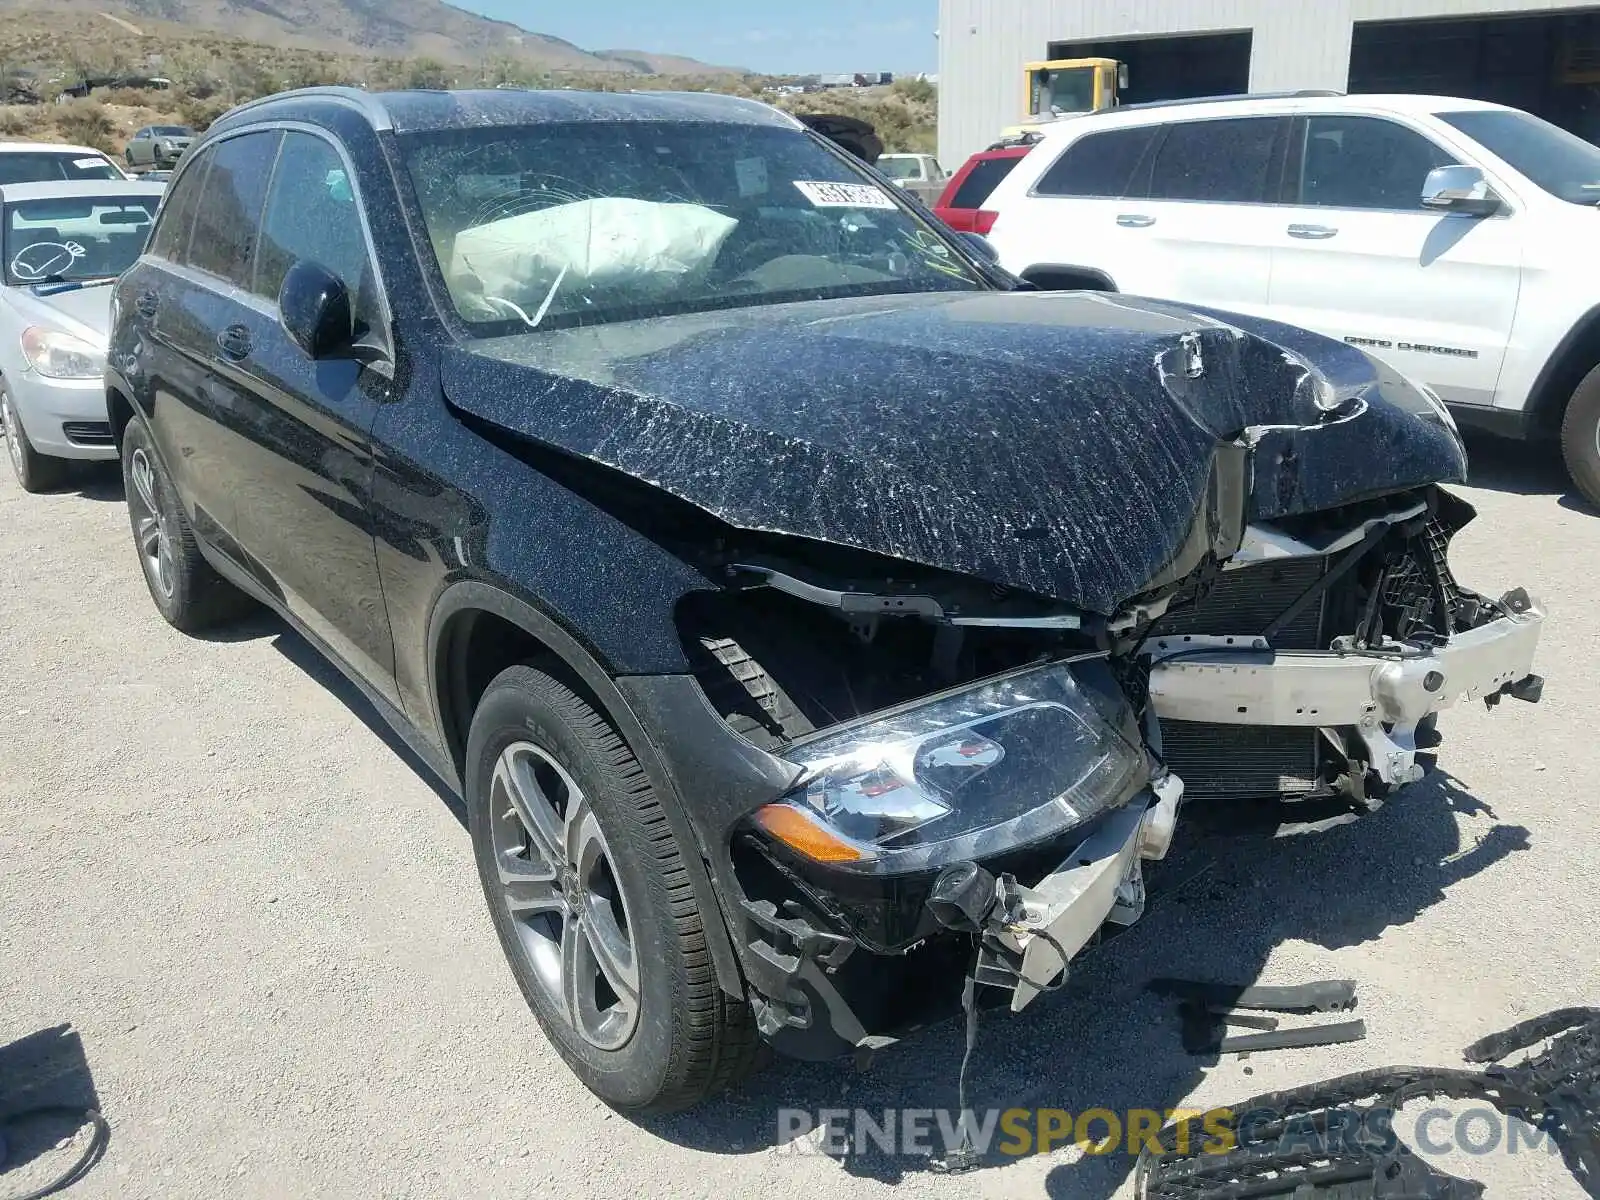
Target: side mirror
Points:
(314, 306)
(1122, 77)
(982, 247)
(1460, 189)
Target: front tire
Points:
(35, 472)
(594, 908)
(186, 589)
(1580, 437)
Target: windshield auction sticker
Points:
(843, 195)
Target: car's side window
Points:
(1365, 162)
(1226, 160)
(229, 210)
(170, 238)
(311, 216)
(1100, 165)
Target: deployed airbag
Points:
(610, 244)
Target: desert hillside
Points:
(210, 71)
(393, 28)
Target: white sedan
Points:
(61, 246)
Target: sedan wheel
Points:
(34, 471)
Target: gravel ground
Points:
(263, 922)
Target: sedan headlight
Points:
(1007, 763)
(58, 355)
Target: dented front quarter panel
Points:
(1055, 443)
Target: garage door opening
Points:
(1172, 68)
(1547, 64)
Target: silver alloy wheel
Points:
(12, 428)
(150, 525)
(561, 891)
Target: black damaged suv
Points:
(808, 614)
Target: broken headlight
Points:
(1001, 765)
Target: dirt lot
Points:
(264, 924)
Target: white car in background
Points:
(1454, 238)
(61, 247)
(48, 162)
(912, 168)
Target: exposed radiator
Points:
(1241, 762)
(1248, 599)
(1247, 761)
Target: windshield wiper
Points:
(63, 284)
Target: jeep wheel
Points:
(594, 908)
(1580, 437)
(187, 591)
(34, 471)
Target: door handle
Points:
(1135, 220)
(1314, 233)
(148, 304)
(234, 341)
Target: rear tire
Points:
(35, 472)
(1580, 437)
(186, 589)
(580, 867)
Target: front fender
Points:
(477, 596)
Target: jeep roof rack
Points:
(1230, 97)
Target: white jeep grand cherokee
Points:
(1450, 237)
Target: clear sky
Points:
(769, 36)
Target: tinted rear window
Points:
(1101, 164)
(1228, 160)
(982, 180)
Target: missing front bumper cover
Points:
(1031, 937)
(1382, 696)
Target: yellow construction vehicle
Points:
(1067, 87)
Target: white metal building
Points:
(1540, 55)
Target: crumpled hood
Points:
(1064, 444)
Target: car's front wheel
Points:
(588, 891)
(34, 471)
(187, 590)
(1580, 437)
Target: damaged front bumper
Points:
(1383, 695)
(1100, 882)
(1038, 793)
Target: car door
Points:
(1201, 215)
(1358, 257)
(304, 483)
(1071, 218)
(206, 237)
